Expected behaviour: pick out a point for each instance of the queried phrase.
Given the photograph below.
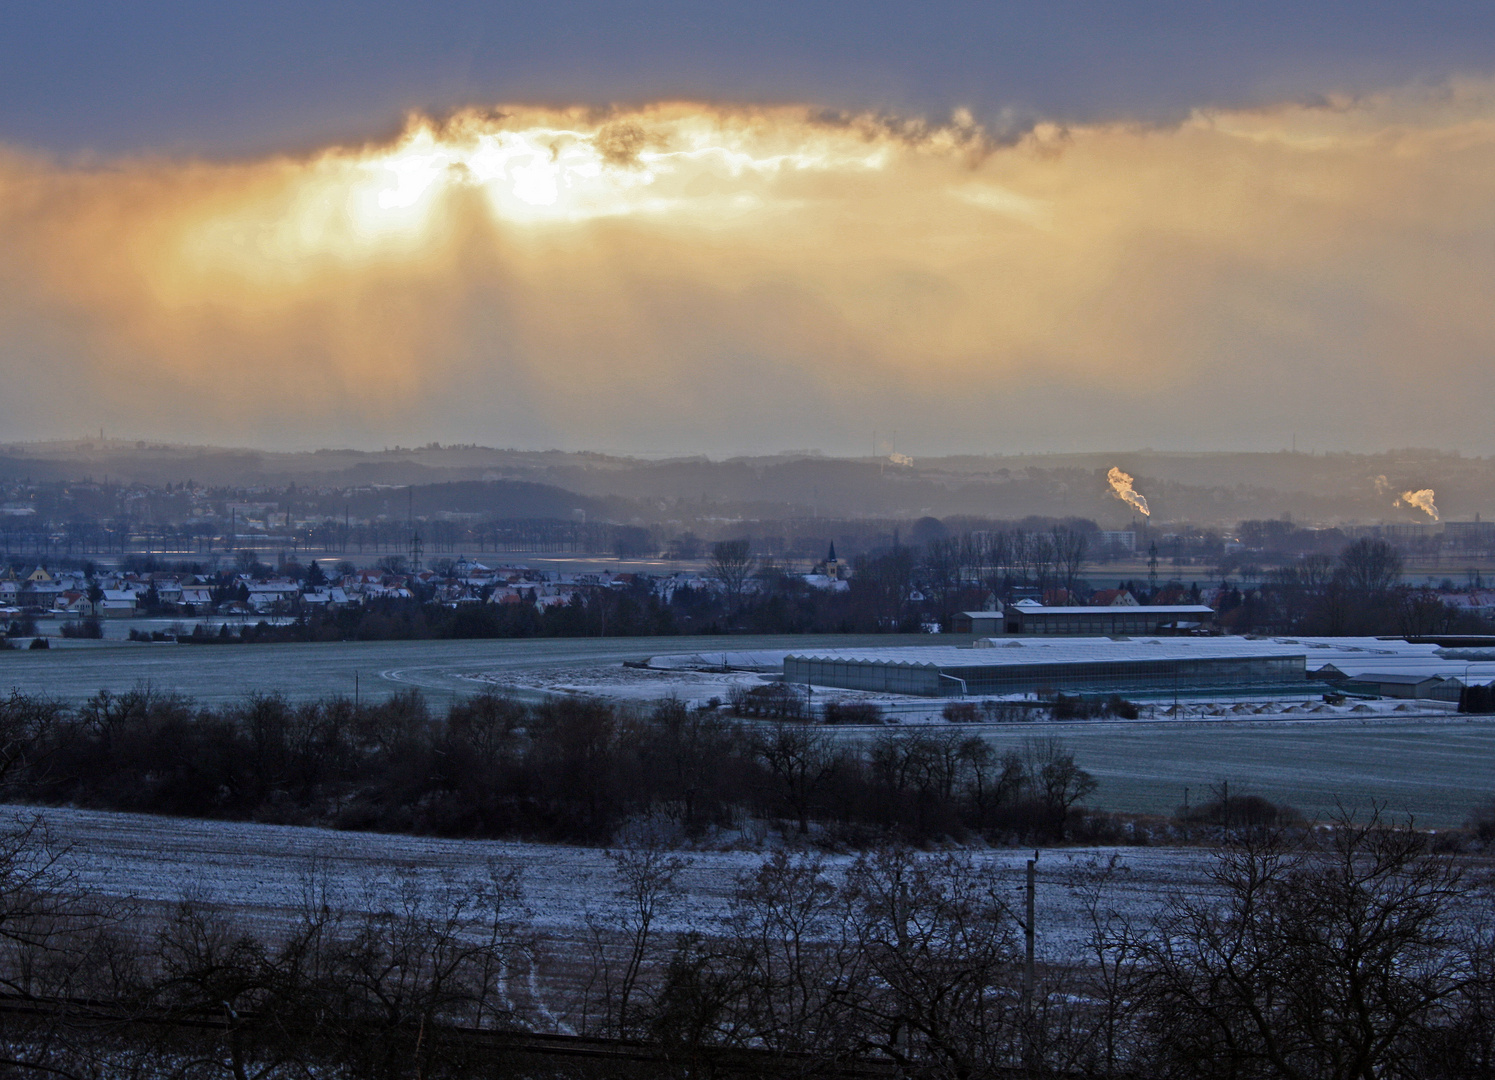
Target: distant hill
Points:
(1202, 488)
(501, 499)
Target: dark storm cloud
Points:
(250, 78)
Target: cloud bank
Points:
(701, 278)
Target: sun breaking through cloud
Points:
(702, 277)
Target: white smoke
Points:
(901, 459)
(1423, 500)
(1121, 487)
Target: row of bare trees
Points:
(570, 770)
(1358, 592)
(999, 559)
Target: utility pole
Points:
(1029, 966)
(1028, 932)
(416, 548)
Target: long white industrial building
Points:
(1088, 666)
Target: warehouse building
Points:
(1393, 684)
(982, 623)
(1029, 619)
(1089, 667)
(1023, 620)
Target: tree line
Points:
(573, 770)
(1359, 591)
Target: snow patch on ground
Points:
(621, 683)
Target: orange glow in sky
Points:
(685, 277)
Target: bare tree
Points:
(787, 926)
(731, 567)
(801, 761)
(1058, 782)
(1341, 960)
(1422, 611)
(1370, 567)
(1069, 546)
(943, 573)
(24, 723)
(648, 887)
(936, 957)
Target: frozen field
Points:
(1436, 768)
(218, 673)
(262, 872)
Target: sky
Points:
(668, 227)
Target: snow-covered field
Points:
(263, 873)
(618, 683)
(214, 674)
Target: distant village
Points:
(962, 599)
(81, 554)
(295, 589)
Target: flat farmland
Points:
(264, 874)
(1436, 767)
(214, 674)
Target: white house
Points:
(117, 604)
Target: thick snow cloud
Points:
(686, 277)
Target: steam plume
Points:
(1423, 500)
(901, 459)
(1121, 487)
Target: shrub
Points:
(775, 701)
(852, 712)
(39, 643)
(960, 712)
(1077, 708)
(1241, 811)
(1477, 699)
(1005, 712)
(1482, 821)
(83, 628)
